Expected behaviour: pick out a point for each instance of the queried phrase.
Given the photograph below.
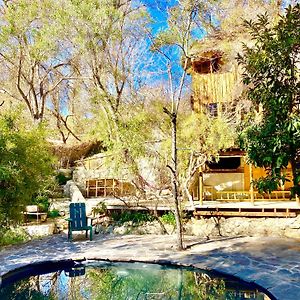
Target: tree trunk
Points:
(179, 230)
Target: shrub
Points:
(42, 201)
(54, 213)
(168, 218)
(100, 208)
(62, 178)
(25, 166)
(136, 217)
(13, 236)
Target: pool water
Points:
(117, 281)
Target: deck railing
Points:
(210, 194)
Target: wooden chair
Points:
(78, 220)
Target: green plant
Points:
(135, 217)
(42, 201)
(13, 236)
(168, 218)
(100, 208)
(62, 179)
(54, 213)
(25, 166)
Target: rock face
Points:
(284, 227)
(131, 228)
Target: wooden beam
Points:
(251, 184)
(201, 187)
(245, 214)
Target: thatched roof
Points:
(69, 153)
(216, 46)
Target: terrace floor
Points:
(273, 263)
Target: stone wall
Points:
(287, 227)
(81, 174)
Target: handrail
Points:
(239, 195)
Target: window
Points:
(226, 163)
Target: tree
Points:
(271, 76)
(35, 59)
(201, 137)
(111, 58)
(185, 21)
(25, 166)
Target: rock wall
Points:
(81, 174)
(285, 227)
(71, 190)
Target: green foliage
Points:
(205, 134)
(136, 217)
(100, 209)
(25, 166)
(42, 201)
(62, 178)
(201, 137)
(168, 218)
(13, 236)
(54, 213)
(271, 73)
(268, 184)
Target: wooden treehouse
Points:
(224, 188)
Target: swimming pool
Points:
(120, 280)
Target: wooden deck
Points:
(276, 208)
(247, 209)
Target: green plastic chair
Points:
(78, 220)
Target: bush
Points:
(26, 166)
(13, 236)
(100, 209)
(43, 202)
(54, 213)
(168, 218)
(62, 178)
(137, 218)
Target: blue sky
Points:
(158, 11)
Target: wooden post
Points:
(96, 191)
(87, 188)
(200, 186)
(251, 184)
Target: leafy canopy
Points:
(271, 73)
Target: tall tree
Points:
(202, 137)
(112, 58)
(186, 20)
(35, 58)
(271, 75)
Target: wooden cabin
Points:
(229, 179)
(216, 83)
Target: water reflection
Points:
(102, 281)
